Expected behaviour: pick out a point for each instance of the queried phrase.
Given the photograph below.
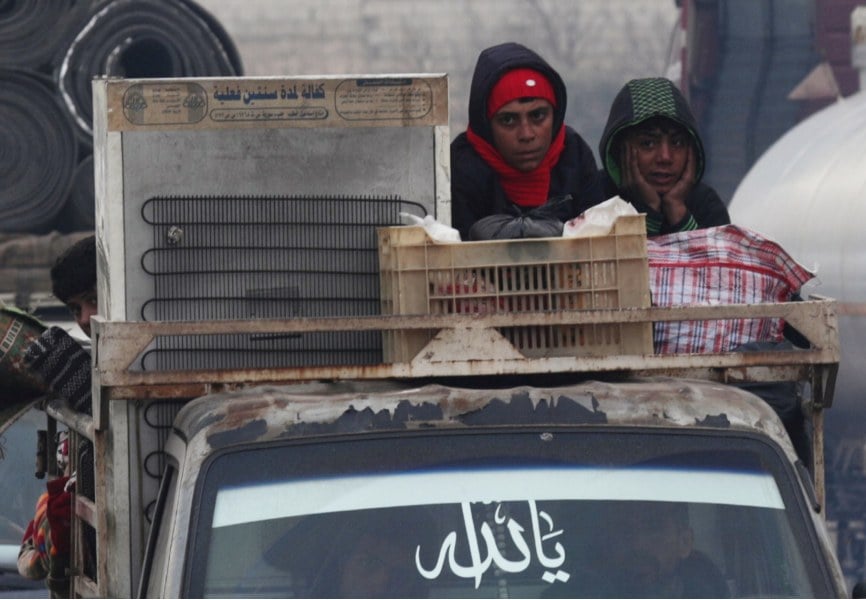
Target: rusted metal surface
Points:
(85, 509)
(258, 414)
(107, 505)
(177, 389)
(81, 423)
(119, 344)
(92, 512)
(800, 314)
(852, 309)
(86, 588)
(818, 475)
(240, 405)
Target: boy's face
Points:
(662, 149)
(370, 568)
(522, 132)
(83, 306)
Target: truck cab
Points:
(646, 487)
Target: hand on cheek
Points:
(633, 180)
(674, 202)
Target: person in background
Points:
(56, 357)
(73, 281)
(652, 157)
(656, 557)
(64, 366)
(373, 556)
(518, 170)
(44, 552)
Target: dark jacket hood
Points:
(492, 64)
(638, 101)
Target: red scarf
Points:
(524, 189)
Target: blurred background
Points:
(596, 45)
(50, 51)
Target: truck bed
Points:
(469, 345)
(462, 347)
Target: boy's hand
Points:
(633, 181)
(674, 202)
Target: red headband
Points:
(519, 83)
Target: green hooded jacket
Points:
(638, 101)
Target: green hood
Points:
(637, 101)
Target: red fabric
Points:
(34, 561)
(524, 189)
(59, 515)
(516, 84)
(719, 265)
(47, 537)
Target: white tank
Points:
(808, 192)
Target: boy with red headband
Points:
(518, 170)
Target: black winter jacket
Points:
(638, 101)
(475, 189)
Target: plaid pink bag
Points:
(720, 265)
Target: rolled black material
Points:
(141, 39)
(218, 30)
(37, 152)
(32, 32)
(78, 213)
(40, 117)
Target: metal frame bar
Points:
(85, 511)
(118, 344)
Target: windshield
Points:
(535, 514)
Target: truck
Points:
(527, 489)
(511, 433)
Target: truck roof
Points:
(268, 413)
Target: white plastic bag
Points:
(599, 219)
(436, 230)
